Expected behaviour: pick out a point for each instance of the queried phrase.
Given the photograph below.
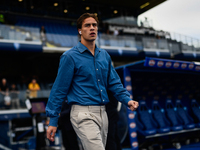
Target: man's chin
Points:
(91, 40)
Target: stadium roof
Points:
(73, 8)
(136, 7)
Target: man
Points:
(4, 86)
(5, 92)
(43, 35)
(85, 73)
(33, 87)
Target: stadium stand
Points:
(59, 33)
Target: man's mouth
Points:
(93, 34)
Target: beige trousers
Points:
(91, 125)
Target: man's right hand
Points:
(133, 105)
(51, 131)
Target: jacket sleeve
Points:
(60, 89)
(116, 87)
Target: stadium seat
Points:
(129, 43)
(188, 122)
(74, 40)
(144, 120)
(54, 30)
(114, 42)
(196, 112)
(102, 42)
(159, 117)
(171, 115)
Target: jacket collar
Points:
(83, 48)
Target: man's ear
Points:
(79, 31)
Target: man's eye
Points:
(94, 25)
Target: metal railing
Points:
(16, 99)
(19, 33)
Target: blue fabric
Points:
(171, 114)
(83, 79)
(177, 128)
(159, 118)
(183, 116)
(150, 132)
(163, 125)
(145, 124)
(172, 117)
(163, 130)
(189, 126)
(145, 118)
(196, 109)
(188, 122)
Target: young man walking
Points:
(85, 74)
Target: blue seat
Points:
(107, 42)
(114, 42)
(144, 120)
(187, 120)
(171, 115)
(159, 116)
(196, 112)
(102, 42)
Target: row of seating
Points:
(65, 28)
(172, 118)
(63, 40)
(65, 35)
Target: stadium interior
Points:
(33, 36)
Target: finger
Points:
(136, 104)
(132, 108)
(48, 134)
(133, 104)
(52, 136)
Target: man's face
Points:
(3, 81)
(89, 29)
(33, 81)
(13, 86)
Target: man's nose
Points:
(92, 27)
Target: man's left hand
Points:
(133, 105)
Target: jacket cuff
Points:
(126, 100)
(53, 121)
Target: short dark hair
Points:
(85, 16)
